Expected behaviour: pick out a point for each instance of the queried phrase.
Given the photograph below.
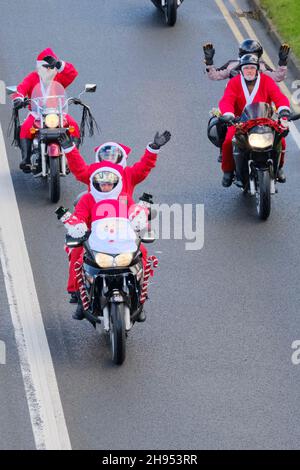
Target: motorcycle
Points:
(169, 8)
(112, 282)
(47, 157)
(256, 150)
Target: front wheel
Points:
(171, 12)
(54, 179)
(117, 333)
(263, 195)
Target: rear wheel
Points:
(263, 195)
(171, 12)
(54, 179)
(117, 333)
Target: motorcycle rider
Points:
(251, 86)
(105, 187)
(48, 68)
(248, 46)
(108, 154)
(118, 154)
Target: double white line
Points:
(45, 408)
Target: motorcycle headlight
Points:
(261, 141)
(124, 259)
(104, 261)
(52, 121)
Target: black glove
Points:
(18, 103)
(209, 53)
(160, 140)
(53, 63)
(283, 54)
(65, 141)
(284, 113)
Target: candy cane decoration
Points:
(82, 290)
(152, 263)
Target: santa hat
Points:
(46, 52)
(124, 149)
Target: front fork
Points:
(252, 177)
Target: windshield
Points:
(113, 235)
(256, 110)
(50, 98)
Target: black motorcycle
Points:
(257, 147)
(111, 282)
(169, 9)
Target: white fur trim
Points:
(39, 63)
(150, 149)
(69, 149)
(61, 67)
(249, 98)
(19, 96)
(283, 107)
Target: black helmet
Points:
(249, 59)
(216, 131)
(250, 46)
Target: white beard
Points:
(46, 75)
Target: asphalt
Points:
(211, 367)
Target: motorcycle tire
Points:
(54, 179)
(117, 333)
(263, 195)
(171, 12)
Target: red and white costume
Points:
(65, 76)
(237, 96)
(86, 212)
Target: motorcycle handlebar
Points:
(294, 117)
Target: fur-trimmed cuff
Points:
(150, 149)
(69, 149)
(281, 108)
(61, 67)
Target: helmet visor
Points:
(110, 153)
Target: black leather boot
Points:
(78, 314)
(25, 145)
(281, 178)
(141, 316)
(227, 179)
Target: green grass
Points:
(285, 15)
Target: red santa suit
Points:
(86, 212)
(132, 175)
(65, 76)
(237, 96)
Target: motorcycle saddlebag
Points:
(216, 131)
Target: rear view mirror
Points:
(90, 87)
(11, 89)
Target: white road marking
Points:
(250, 31)
(2, 352)
(45, 408)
